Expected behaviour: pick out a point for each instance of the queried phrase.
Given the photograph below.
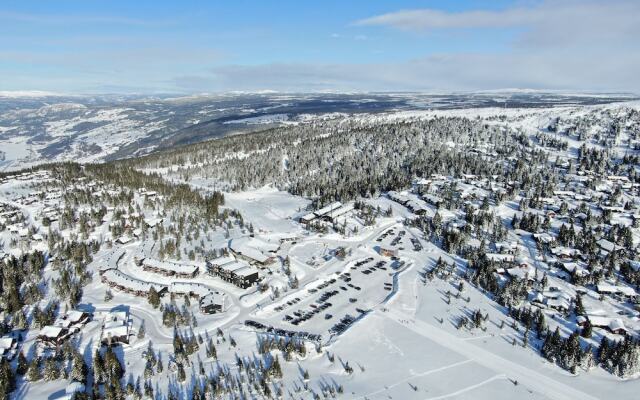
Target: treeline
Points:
(350, 158)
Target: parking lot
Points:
(331, 306)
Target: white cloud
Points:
(549, 23)
(464, 71)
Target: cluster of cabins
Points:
(64, 327)
(27, 176)
(329, 213)
(597, 192)
(613, 325)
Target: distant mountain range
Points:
(37, 127)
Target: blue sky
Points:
(188, 46)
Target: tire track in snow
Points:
(429, 372)
(468, 388)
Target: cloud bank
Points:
(571, 45)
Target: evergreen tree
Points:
(7, 379)
(51, 370)
(182, 376)
(153, 297)
(33, 372)
(22, 365)
(79, 370)
(98, 367)
(141, 331)
(276, 370)
(587, 330)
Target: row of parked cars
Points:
(288, 304)
(302, 316)
(283, 332)
(380, 265)
(345, 322)
(385, 234)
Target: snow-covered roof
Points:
(308, 217)
(606, 245)
(121, 279)
(74, 315)
(209, 300)
(6, 343)
(220, 261)
(51, 331)
(607, 288)
(180, 268)
(246, 271)
(327, 209)
(342, 210)
(233, 267)
(616, 324)
(191, 287)
(522, 273)
(558, 302)
(248, 250)
(116, 330)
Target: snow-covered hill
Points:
(37, 127)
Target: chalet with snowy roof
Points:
(564, 253)
(152, 222)
(522, 272)
(73, 320)
(115, 329)
(613, 325)
(191, 289)
(545, 238)
(558, 303)
(621, 292)
(307, 218)
(416, 208)
(607, 246)
(124, 239)
(338, 212)
(575, 269)
(211, 304)
(397, 197)
(53, 335)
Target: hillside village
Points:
(121, 282)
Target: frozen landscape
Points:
(336, 200)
